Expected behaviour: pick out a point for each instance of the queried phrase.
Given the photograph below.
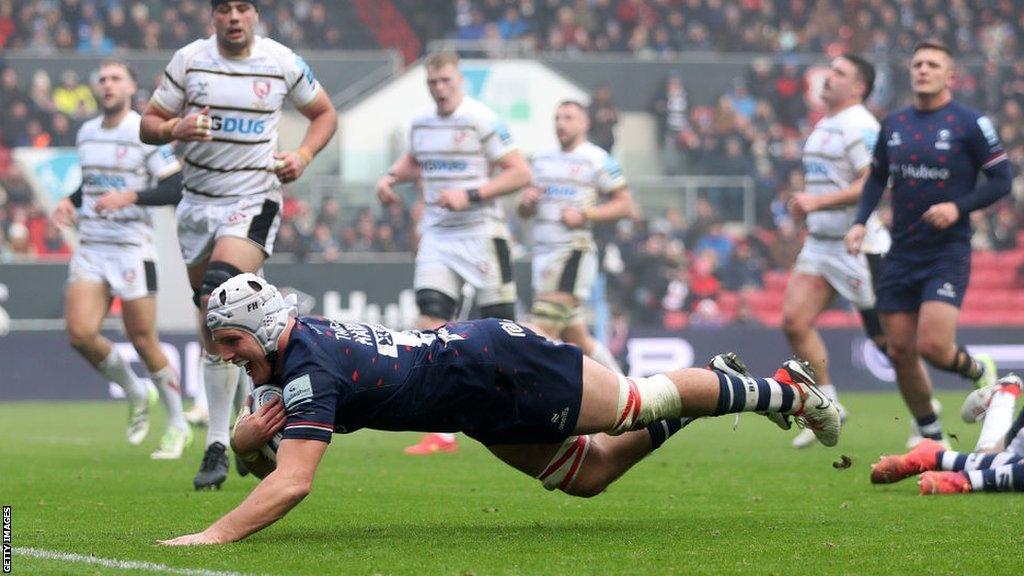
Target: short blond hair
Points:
(442, 59)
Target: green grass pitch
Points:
(711, 501)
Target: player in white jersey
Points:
(569, 184)
(221, 97)
(837, 159)
(116, 256)
(453, 150)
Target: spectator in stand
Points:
(6, 21)
(788, 98)
(62, 133)
(475, 28)
(512, 25)
(744, 271)
(97, 42)
(41, 94)
(10, 87)
(18, 243)
(324, 244)
(670, 108)
(73, 98)
(604, 116)
(15, 125)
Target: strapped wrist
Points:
(474, 195)
(167, 128)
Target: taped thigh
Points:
(566, 464)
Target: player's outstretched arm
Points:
(272, 498)
(323, 122)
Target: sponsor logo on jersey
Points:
(306, 70)
(942, 139)
(946, 291)
(232, 124)
(512, 329)
(201, 87)
(988, 130)
(920, 172)
(556, 191)
(104, 181)
(297, 392)
(870, 137)
(895, 139)
(503, 133)
(814, 167)
(438, 166)
(120, 152)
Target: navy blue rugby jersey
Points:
(477, 377)
(935, 156)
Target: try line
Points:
(118, 564)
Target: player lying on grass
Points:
(993, 467)
(541, 407)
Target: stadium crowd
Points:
(679, 266)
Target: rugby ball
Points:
(260, 396)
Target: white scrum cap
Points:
(252, 304)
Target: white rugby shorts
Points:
(484, 261)
(566, 269)
(128, 270)
(848, 275)
(255, 218)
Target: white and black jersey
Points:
(458, 151)
(836, 151)
(245, 97)
(571, 179)
(115, 159)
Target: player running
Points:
(541, 407)
(933, 152)
(116, 256)
(837, 158)
(568, 183)
(996, 465)
(464, 237)
(222, 97)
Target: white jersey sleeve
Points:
(494, 134)
(160, 161)
(303, 86)
(860, 142)
(610, 178)
(170, 94)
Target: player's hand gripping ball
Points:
(260, 396)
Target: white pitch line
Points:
(118, 564)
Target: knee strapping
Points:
(435, 304)
(217, 273)
(566, 463)
(645, 400)
(555, 313)
(504, 310)
(963, 364)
